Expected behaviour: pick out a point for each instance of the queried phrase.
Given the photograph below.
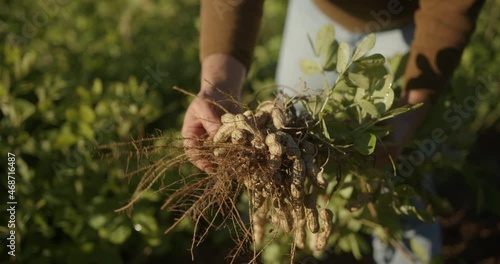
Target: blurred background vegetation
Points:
(76, 74)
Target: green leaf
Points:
(330, 60)
(354, 225)
(86, 131)
(97, 221)
(359, 80)
(355, 247)
(97, 87)
(145, 223)
(71, 115)
(365, 143)
(343, 86)
(346, 192)
(120, 234)
(417, 106)
(402, 110)
(325, 129)
(23, 109)
(372, 60)
(342, 57)
(312, 45)
(3, 91)
(360, 94)
(368, 108)
(324, 39)
(310, 67)
(87, 114)
(344, 244)
(384, 97)
(364, 46)
(65, 138)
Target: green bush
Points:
(75, 75)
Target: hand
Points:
(222, 77)
(202, 119)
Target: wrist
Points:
(221, 73)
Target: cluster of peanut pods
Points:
(282, 158)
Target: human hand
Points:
(222, 77)
(202, 120)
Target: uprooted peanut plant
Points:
(302, 162)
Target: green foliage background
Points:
(76, 74)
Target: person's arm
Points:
(228, 35)
(442, 31)
(230, 27)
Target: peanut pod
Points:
(227, 118)
(292, 150)
(284, 218)
(314, 173)
(275, 151)
(262, 118)
(266, 106)
(311, 213)
(239, 136)
(297, 186)
(224, 133)
(279, 118)
(299, 229)
(259, 222)
(326, 217)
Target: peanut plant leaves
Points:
(359, 95)
(372, 60)
(383, 99)
(330, 60)
(355, 246)
(359, 80)
(312, 45)
(342, 57)
(310, 67)
(324, 39)
(369, 108)
(364, 46)
(365, 143)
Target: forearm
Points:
(230, 27)
(443, 29)
(222, 73)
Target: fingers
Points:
(193, 134)
(199, 121)
(192, 147)
(202, 119)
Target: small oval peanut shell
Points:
(224, 133)
(311, 213)
(283, 215)
(326, 217)
(239, 136)
(227, 118)
(297, 186)
(279, 118)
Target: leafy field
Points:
(74, 75)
